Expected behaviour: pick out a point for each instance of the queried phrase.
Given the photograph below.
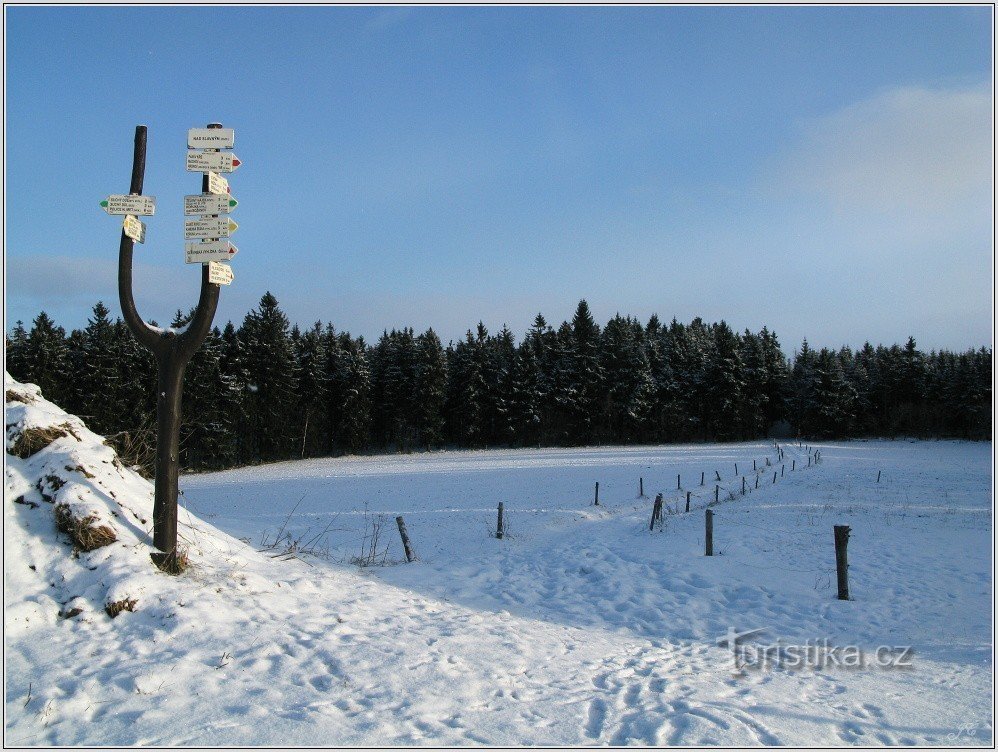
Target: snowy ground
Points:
(580, 627)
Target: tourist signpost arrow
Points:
(209, 204)
(134, 228)
(219, 273)
(217, 184)
(211, 138)
(210, 250)
(209, 227)
(212, 161)
(130, 204)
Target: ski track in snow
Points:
(580, 628)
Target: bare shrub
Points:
(116, 607)
(310, 542)
(33, 440)
(371, 554)
(85, 533)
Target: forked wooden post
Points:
(173, 351)
(409, 555)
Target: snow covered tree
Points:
(270, 367)
(630, 390)
(100, 380)
(311, 386)
(45, 359)
(16, 343)
(351, 386)
(431, 389)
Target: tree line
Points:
(269, 391)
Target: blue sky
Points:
(827, 172)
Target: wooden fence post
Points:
(596, 502)
(783, 469)
(709, 533)
(717, 490)
(687, 501)
(641, 487)
(656, 511)
(717, 474)
(774, 476)
(754, 468)
(757, 481)
(878, 476)
(701, 478)
(793, 465)
(409, 555)
(678, 484)
(499, 526)
(842, 560)
(743, 485)
(736, 469)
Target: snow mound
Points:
(79, 531)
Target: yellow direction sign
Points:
(134, 228)
(219, 273)
(118, 204)
(209, 227)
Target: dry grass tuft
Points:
(85, 533)
(33, 440)
(115, 608)
(13, 396)
(80, 469)
(172, 562)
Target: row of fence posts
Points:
(841, 531)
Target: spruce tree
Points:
(311, 399)
(270, 369)
(101, 380)
(46, 359)
(15, 353)
(430, 390)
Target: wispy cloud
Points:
(907, 151)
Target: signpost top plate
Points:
(211, 138)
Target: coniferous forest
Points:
(268, 391)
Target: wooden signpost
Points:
(173, 349)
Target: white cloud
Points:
(908, 152)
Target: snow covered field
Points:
(579, 627)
